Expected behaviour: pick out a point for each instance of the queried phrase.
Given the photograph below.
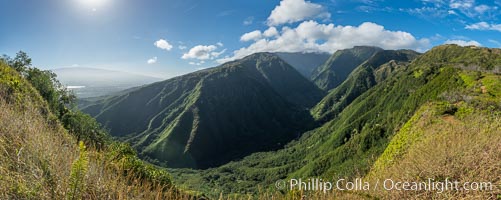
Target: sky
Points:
(166, 38)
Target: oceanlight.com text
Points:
(317, 184)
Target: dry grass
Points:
(36, 160)
(466, 149)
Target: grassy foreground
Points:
(40, 159)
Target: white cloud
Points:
(478, 26)
(310, 36)
(200, 52)
(461, 4)
(451, 12)
(270, 32)
(435, 2)
(152, 60)
(204, 52)
(182, 47)
(290, 11)
(472, 10)
(197, 63)
(217, 54)
(163, 44)
(254, 35)
(482, 8)
(484, 26)
(463, 42)
(427, 12)
(248, 21)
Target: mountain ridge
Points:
(259, 98)
(335, 70)
(374, 70)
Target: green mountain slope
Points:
(304, 63)
(335, 70)
(379, 67)
(210, 117)
(348, 145)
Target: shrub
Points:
(78, 171)
(85, 128)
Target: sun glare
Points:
(94, 5)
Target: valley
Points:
(250, 100)
(350, 127)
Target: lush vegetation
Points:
(379, 67)
(41, 157)
(337, 68)
(208, 118)
(398, 115)
(61, 101)
(349, 144)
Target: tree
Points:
(21, 63)
(59, 98)
(61, 101)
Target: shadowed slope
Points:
(210, 117)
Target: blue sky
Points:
(173, 37)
